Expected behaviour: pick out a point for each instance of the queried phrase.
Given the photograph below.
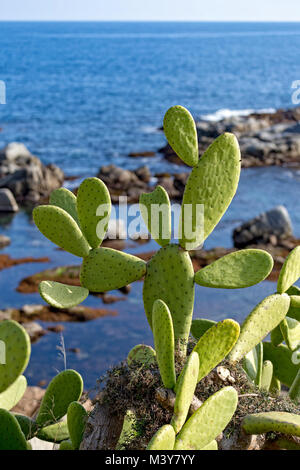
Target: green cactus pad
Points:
(185, 388)
(290, 329)
(160, 227)
(11, 436)
(13, 394)
(62, 295)
(66, 445)
(295, 301)
(294, 312)
(208, 421)
(141, 354)
(290, 271)
(213, 183)
(107, 269)
(294, 391)
(66, 200)
(56, 432)
(276, 421)
(213, 445)
(28, 426)
(263, 318)
(60, 228)
(77, 417)
(253, 363)
(215, 344)
(239, 269)
(93, 196)
(65, 388)
(129, 430)
(163, 439)
(266, 376)
(275, 387)
(164, 343)
(181, 133)
(200, 326)
(17, 349)
(170, 277)
(276, 336)
(281, 357)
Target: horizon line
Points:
(143, 21)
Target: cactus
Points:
(290, 271)
(170, 277)
(220, 166)
(93, 196)
(164, 342)
(66, 445)
(185, 388)
(265, 316)
(65, 388)
(266, 376)
(160, 229)
(181, 133)
(208, 421)
(108, 269)
(294, 311)
(60, 228)
(129, 430)
(276, 421)
(253, 363)
(76, 416)
(28, 426)
(275, 387)
(62, 295)
(141, 355)
(17, 346)
(281, 357)
(13, 394)
(239, 269)
(56, 432)
(66, 200)
(213, 445)
(290, 329)
(294, 391)
(11, 436)
(163, 439)
(276, 336)
(215, 344)
(200, 326)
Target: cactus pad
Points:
(107, 269)
(185, 388)
(170, 277)
(276, 421)
(159, 228)
(281, 357)
(266, 376)
(129, 430)
(60, 228)
(290, 329)
(11, 436)
(215, 344)
(213, 445)
(56, 432)
(164, 344)
(213, 183)
(208, 421)
(66, 200)
(66, 445)
(200, 326)
(93, 196)
(28, 426)
(17, 348)
(253, 363)
(141, 354)
(163, 439)
(263, 318)
(62, 295)
(77, 417)
(294, 391)
(181, 133)
(65, 388)
(290, 271)
(239, 269)
(13, 394)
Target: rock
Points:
(25, 175)
(4, 241)
(30, 402)
(142, 154)
(34, 330)
(262, 229)
(6, 261)
(7, 201)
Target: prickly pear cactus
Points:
(290, 329)
(276, 421)
(141, 354)
(200, 326)
(253, 363)
(164, 343)
(56, 432)
(294, 391)
(13, 394)
(76, 418)
(266, 376)
(290, 271)
(11, 436)
(285, 369)
(62, 295)
(163, 439)
(158, 225)
(66, 200)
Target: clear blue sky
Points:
(167, 10)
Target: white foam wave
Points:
(227, 113)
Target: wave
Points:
(227, 113)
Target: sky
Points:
(151, 10)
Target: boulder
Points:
(269, 227)
(25, 175)
(4, 241)
(7, 201)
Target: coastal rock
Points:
(25, 175)
(7, 201)
(4, 241)
(268, 227)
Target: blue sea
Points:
(82, 95)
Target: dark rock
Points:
(142, 154)
(4, 241)
(7, 201)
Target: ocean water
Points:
(82, 95)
